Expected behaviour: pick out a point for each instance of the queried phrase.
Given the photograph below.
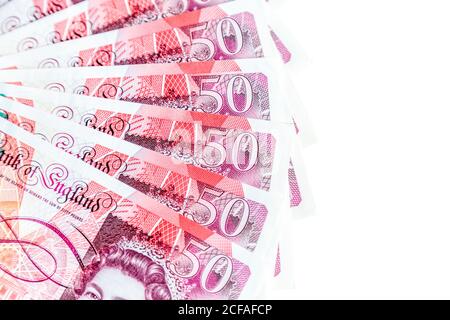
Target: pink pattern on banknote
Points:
(294, 188)
(42, 257)
(42, 8)
(109, 15)
(70, 29)
(101, 16)
(278, 263)
(26, 12)
(194, 199)
(230, 37)
(240, 155)
(13, 154)
(238, 94)
(286, 55)
(113, 14)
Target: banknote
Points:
(18, 13)
(235, 211)
(244, 88)
(77, 107)
(60, 217)
(231, 31)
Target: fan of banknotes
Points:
(149, 149)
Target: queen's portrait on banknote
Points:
(119, 273)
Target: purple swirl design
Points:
(104, 58)
(27, 44)
(63, 141)
(75, 62)
(63, 112)
(25, 244)
(48, 63)
(109, 91)
(81, 90)
(10, 24)
(57, 87)
(26, 126)
(54, 37)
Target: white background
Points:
(375, 79)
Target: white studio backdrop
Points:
(374, 77)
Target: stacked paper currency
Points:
(149, 149)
